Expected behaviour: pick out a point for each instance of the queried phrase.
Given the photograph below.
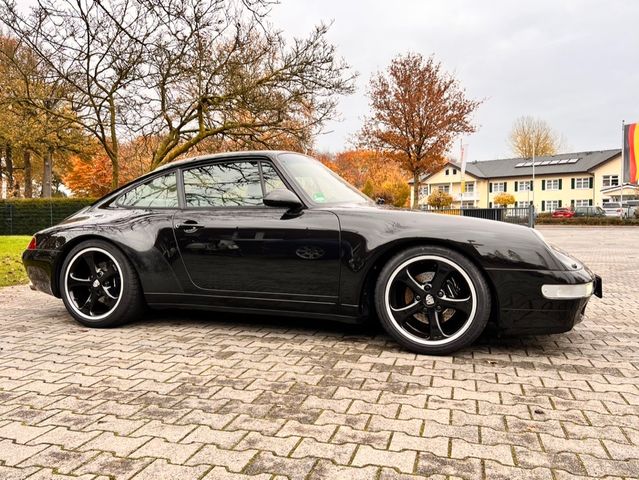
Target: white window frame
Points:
(523, 204)
(555, 204)
(524, 185)
(552, 184)
(610, 180)
(443, 187)
(499, 187)
(582, 203)
(471, 189)
(582, 183)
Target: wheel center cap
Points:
(96, 283)
(429, 300)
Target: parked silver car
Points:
(614, 209)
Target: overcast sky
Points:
(574, 64)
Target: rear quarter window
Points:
(160, 192)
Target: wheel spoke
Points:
(436, 332)
(90, 261)
(108, 299)
(441, 275)
(464, 305)
(403, 313)
(407, 279)
(88, 306)
(109, 273)
(74, 281)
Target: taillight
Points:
(32, 244)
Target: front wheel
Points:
(432, 300)
(99, 286)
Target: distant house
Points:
(570, 179)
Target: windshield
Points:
(319, 183)
(611, 205)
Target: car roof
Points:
(215, 156)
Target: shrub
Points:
(548, 220)
(439, 199)
(27, 216)
(504, 199)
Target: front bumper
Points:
(523, 308)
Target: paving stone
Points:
(183, 397)
(162, 470)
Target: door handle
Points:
(189, 226)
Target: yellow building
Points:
(569, 179)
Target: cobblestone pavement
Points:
(183, 395)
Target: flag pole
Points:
(623, 159)
(532, 186)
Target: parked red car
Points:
(563, 213)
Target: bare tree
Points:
(216, 71)
(94, 53)
(533, 136)
(180, 72)
(417, 111)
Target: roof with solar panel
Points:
(549, 165)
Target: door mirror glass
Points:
(282, 198)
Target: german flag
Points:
(631, 152)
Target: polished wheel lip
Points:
(415, 338)
(71, 301)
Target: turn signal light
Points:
(32, 244)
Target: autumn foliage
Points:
(94, 177)
(417, 110)
(439, 199)
(504, 199)
(373, 173)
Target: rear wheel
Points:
(432, 300)
(99, 286)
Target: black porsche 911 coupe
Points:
(279, 233)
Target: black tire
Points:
(409, 328)
(121, 288)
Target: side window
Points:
(235, 184)
(161, 192)
(272, 180)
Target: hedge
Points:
(25, 216)
(586, 221)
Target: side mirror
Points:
(282, 198)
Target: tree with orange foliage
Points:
(417, 110)
(93, 177)
(372, 173)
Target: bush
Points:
(548, 220)
(25, 216)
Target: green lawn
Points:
(11, 269)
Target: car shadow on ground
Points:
(369, 331)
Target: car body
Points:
(614, 209)
(563, 213)
(278, 233)
(589, 212)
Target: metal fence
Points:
(27, 216)
(519, 216)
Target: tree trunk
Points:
(8, 157)
(28, 183)
(416, 191)
(116, 175)
(47, 173)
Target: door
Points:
(240, 252)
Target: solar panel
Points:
(528, 164)
(545, 162)
(573, 160)
(520, 164)
(554, 162)
(564, 161)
